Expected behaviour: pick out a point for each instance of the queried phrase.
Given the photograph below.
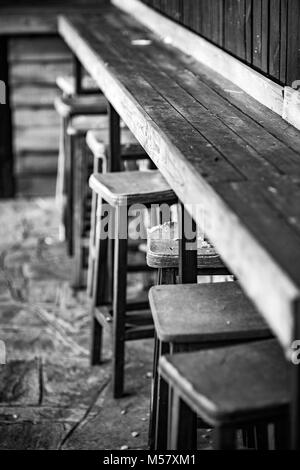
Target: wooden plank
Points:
(38, 49)
(36, 73)
(283, 40)
(38, 117)
(293, 49)
(291, 107)
(257, 86)
(232, 220)
(266, 10)
(257, 33)
(36, 164)
(33, 96)
(33, 19)
(248, 31)
(36, 139)
(174, 73)
(274, 39)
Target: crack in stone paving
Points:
(85, 416)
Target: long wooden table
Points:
(222, 152)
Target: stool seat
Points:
(68, 106)
(132, 187)
(66, 84)
(204, 313)
(97, 141)
(80, 125)
(231, 385)
(163, 249)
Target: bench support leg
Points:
(119, 302)
(182, 433)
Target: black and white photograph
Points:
(149, 228)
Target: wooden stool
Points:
(67, 107)
(229, 388)
(192, 317)
(131, 151)
(79, 166)
(120, 191)
(163, 254)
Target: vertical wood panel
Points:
(256, 33)
(264, 33)
(293, 49)
(274, 39)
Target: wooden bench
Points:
(234, 159)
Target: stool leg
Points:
(224, 438)
(99, 286)
(262, 436)
(182, 431)
(282, 433)
(166, 276)
(92, 245)
(119, 302)
(69, 194)
(161, 403)
(60, 180)
(80, 186)
(153, 398)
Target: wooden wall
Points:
(35, 63)
(263, 33)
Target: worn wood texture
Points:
(260, 87)
(218, 387)
(263, 33)
(132, 187)
(204, 313)
(232, 159)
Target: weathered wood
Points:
(212, 312)
(34, 19)
(291, 106)
(192, 157)
(132, 187)
(231, 393)
(261, 88)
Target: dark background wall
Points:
(263, 33)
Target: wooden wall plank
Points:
(293, 47)
(263, 33)
(274, 39)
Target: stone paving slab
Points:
(50, 397)
(20, 383)
(28, 436)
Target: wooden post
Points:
(7, 184)
(78, 76)
(187, 257)
(114, 160)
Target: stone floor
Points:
(50, 398)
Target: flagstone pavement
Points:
(50, 397)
